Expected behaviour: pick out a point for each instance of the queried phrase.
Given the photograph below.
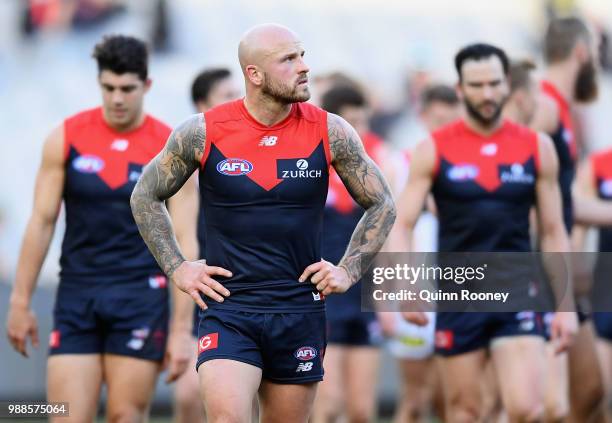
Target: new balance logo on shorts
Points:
(304, 367)
(208, 342)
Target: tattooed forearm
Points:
(161, 179)
(369, 188)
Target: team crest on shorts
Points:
(54, 339)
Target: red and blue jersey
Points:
(484, 187)
(102, 167)
(263, 190)
(601, 164)
(565, 145)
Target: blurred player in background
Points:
(354, 337)
(411, 344)
(493, 213)
(111, 310)
(263, 163)
(570, 53)
(594, 181)
(210, 88)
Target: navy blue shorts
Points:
(359, 330)
(196, 320)
(127, 318)
(288, 347)
(458, 333)
(603, 325)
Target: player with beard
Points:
(479, 211)
(263, 164)
(571, 55)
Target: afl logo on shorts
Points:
(234, 167)
(88, 164)
(305, 353)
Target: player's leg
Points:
(227, 389)
(461, 375)
(131, 384)
(75, 379)
(491, 398)
(281, 403)
(556, 402)
(461, 340)
(329, 401)
(74, 367)
(520, 363)
(416, 390)
(135, 315)
(587, 392)
(361, 382)
(413, 347)
(187, 400)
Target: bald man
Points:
(263, 163)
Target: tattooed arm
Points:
(368, 187)
(161, 179)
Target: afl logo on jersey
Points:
(88, 163)
(234, 167)
(463, 172)
(305, 353)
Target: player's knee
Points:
(526, 412)
(228, 416)
(126, 415)
(462, 410)
(359, 414)
(556, 412)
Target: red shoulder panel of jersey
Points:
(237, 135)
(92, 138)
(511, 143)
(565, 113)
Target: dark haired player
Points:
(210, 88)
(263, 164)
(571, 56)
(111, 311)
(481, 210)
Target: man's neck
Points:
(266, 110)
(481, 129)
(128, 127)
(563, 76)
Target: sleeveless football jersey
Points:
(263, 191)
(484, 187)
(102, 167)
(565, 144)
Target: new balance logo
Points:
(303, 367)
(120, 145)
(268, 141)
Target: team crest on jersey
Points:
(606, 187)
(305, 353)
(234, 167)
(88, 163)
(462, 172)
